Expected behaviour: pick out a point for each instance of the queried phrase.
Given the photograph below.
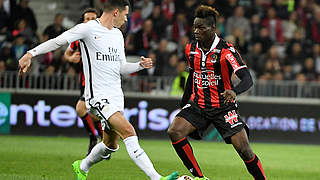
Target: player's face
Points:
(121, 17)
(89, 16)
(201, 30)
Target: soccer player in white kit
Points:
(103, 56)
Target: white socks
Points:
(141, 159)
(97, 153)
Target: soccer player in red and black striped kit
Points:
(209, 96)
(72, 54)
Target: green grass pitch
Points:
(50, 158)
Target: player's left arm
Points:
(241, 70)
(128, 68)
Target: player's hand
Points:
(146, 62)
(24, 63)
(228, 95)
(75, 58)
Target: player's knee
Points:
(245, 152)
(175, 133)
(127, 132)
(81, 109)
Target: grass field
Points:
(42, 158)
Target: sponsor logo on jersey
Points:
(232, 49)
(193, 52)
(232, 61)
(206, 79)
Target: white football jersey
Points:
(102, 51)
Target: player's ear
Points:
(115, 12)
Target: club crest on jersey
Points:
(232, 118)
(213, 58)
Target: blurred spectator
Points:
(2, 67)
(147, 8)
(170, 66)
(181, 47)
(54, 29)
(255, 58)
(136, 20)
(240, 43)
(189, 9)
(159, 22)
(19, 48)
(22, 11)
(4, 19)
(297, 38)
(255, 26)
(258, 7)
(221, 29)
(239, 21)
(6, 57)
(274, 26)
(296, 58)
(264, 39)
(304, 11)
(162, 56)
(313, 29)
(21, 28)
(180, 81)
(316, 56)
(144, 38)
(281, 9)
(180, 27)
(309, 69)
(273, 63)
(290, 26)
(229, 8)
(168, 9)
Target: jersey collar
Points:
(214, 44)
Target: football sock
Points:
(98, 127)
(255, 168)
(185, 152)
(98, 152)
(88, 124)
(141, 159)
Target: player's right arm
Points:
(73, 34)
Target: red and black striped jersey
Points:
(76, 46)
(212, 71)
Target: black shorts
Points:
(81, 98)
(226, 120)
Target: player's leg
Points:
(126, 131)
(98, 153)
(108, 145)
(97, 124)
(178, 131)
(241, 143)
(87, 122)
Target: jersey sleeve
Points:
(187, 54)
(234, 59)
(80, 31)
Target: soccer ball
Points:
(185, 177)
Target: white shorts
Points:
(103, 108)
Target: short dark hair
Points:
(114, 4)
(207, 12)
(88, 10)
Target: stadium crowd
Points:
(278, 39)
